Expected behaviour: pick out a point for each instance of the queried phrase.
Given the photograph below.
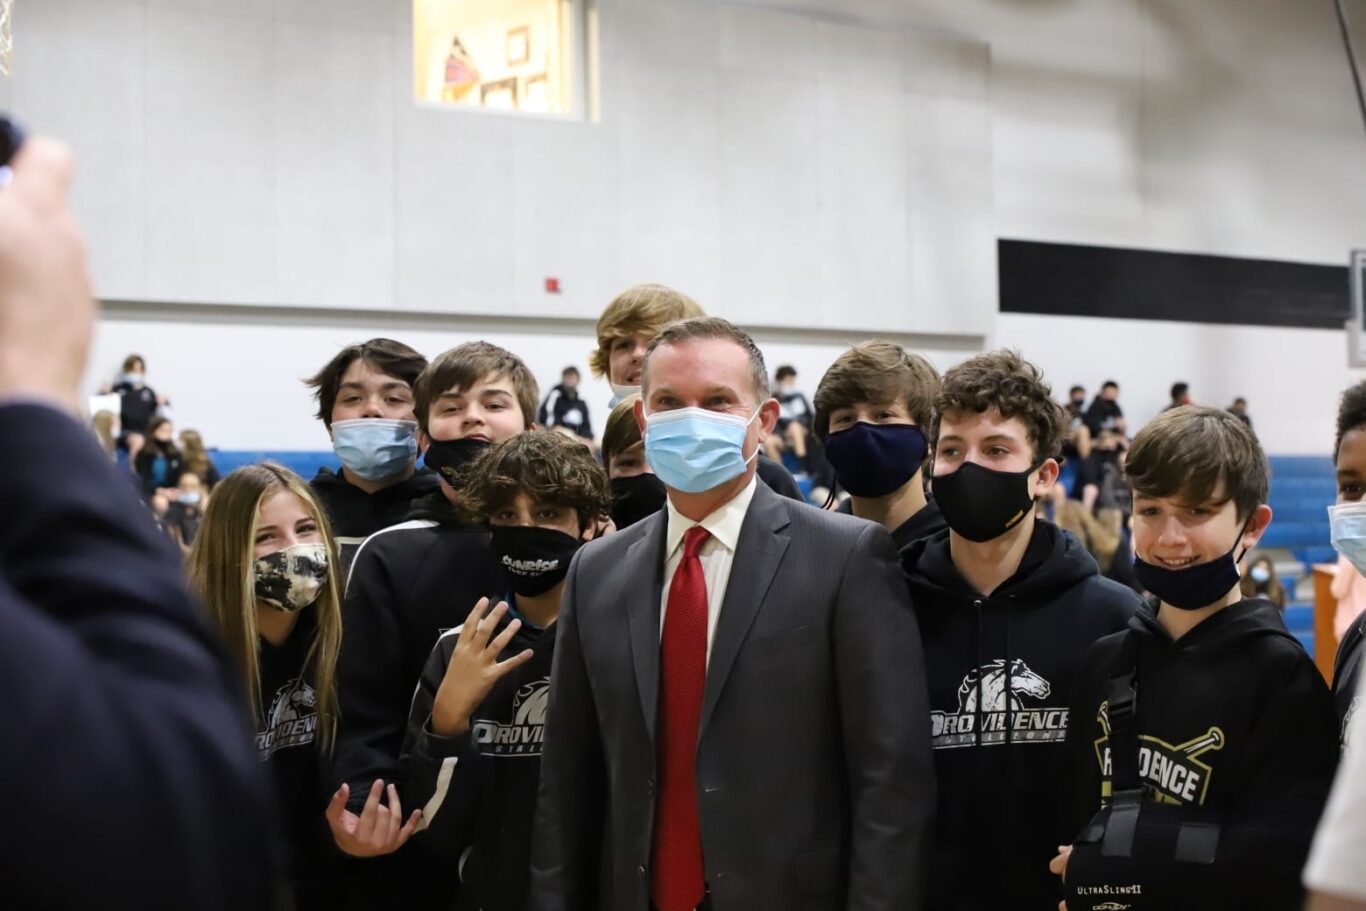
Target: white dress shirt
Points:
(1335, 865)
(717, 554)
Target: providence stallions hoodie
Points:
(1001, 670)
(478, 791)
(1234, 718)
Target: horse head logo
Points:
(298, 701)
(987, 692)
(530, 703)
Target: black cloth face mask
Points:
(873, 460)
(450, 458)
(980, 503)
(535, 559)
(636, 498)
(1195, 586)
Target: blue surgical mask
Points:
(620, 392)
(1348, 524)
(1260, 574)
(189, 498)
(375, 448)
(693, 449)
(133, 379)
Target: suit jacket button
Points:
(640, 871)
(649, 786)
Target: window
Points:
(535, 56)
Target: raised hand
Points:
(376, 831)
(47, 312)
(474, 668)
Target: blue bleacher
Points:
(1299, 615)
(1302, 489)
(303, 463)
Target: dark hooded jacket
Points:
(926, 523)
(410, 583)
(1001, 670)
(1235, 728)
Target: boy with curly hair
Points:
(473, 748)
(1008, 604)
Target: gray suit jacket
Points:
(815, 781)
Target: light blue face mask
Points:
(620, 392)
(1348, 523)
(693, 449)
(375, 448)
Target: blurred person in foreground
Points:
(126, 739)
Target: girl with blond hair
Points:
(263, 564)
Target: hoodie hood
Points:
(355, 514)
(422, 482)
(1227, 630)
(1054, 562)
(436, 508)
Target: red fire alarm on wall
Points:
(552, 286)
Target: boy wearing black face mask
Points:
(477, 721)
(414, 581)
(1203, 737)
(1008, 605)
(873, 407)
(636, 492)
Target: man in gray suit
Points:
(738, 716)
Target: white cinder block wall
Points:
(840, 165)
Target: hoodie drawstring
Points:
(977, 637)
(1010, 669)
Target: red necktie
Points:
(678, 880)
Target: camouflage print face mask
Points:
(291, 579)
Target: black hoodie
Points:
(290, 744)
(478, 790)
(355, 515)
(1235, 726)
(926, 523)
(410, 583)
(1001, 670)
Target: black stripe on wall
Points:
(1076, 280)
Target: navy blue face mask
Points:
(873, 460)
(1195, 586)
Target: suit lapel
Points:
(757, 554)
(642, 613)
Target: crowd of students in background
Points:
(394, 617)
(174, 478)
